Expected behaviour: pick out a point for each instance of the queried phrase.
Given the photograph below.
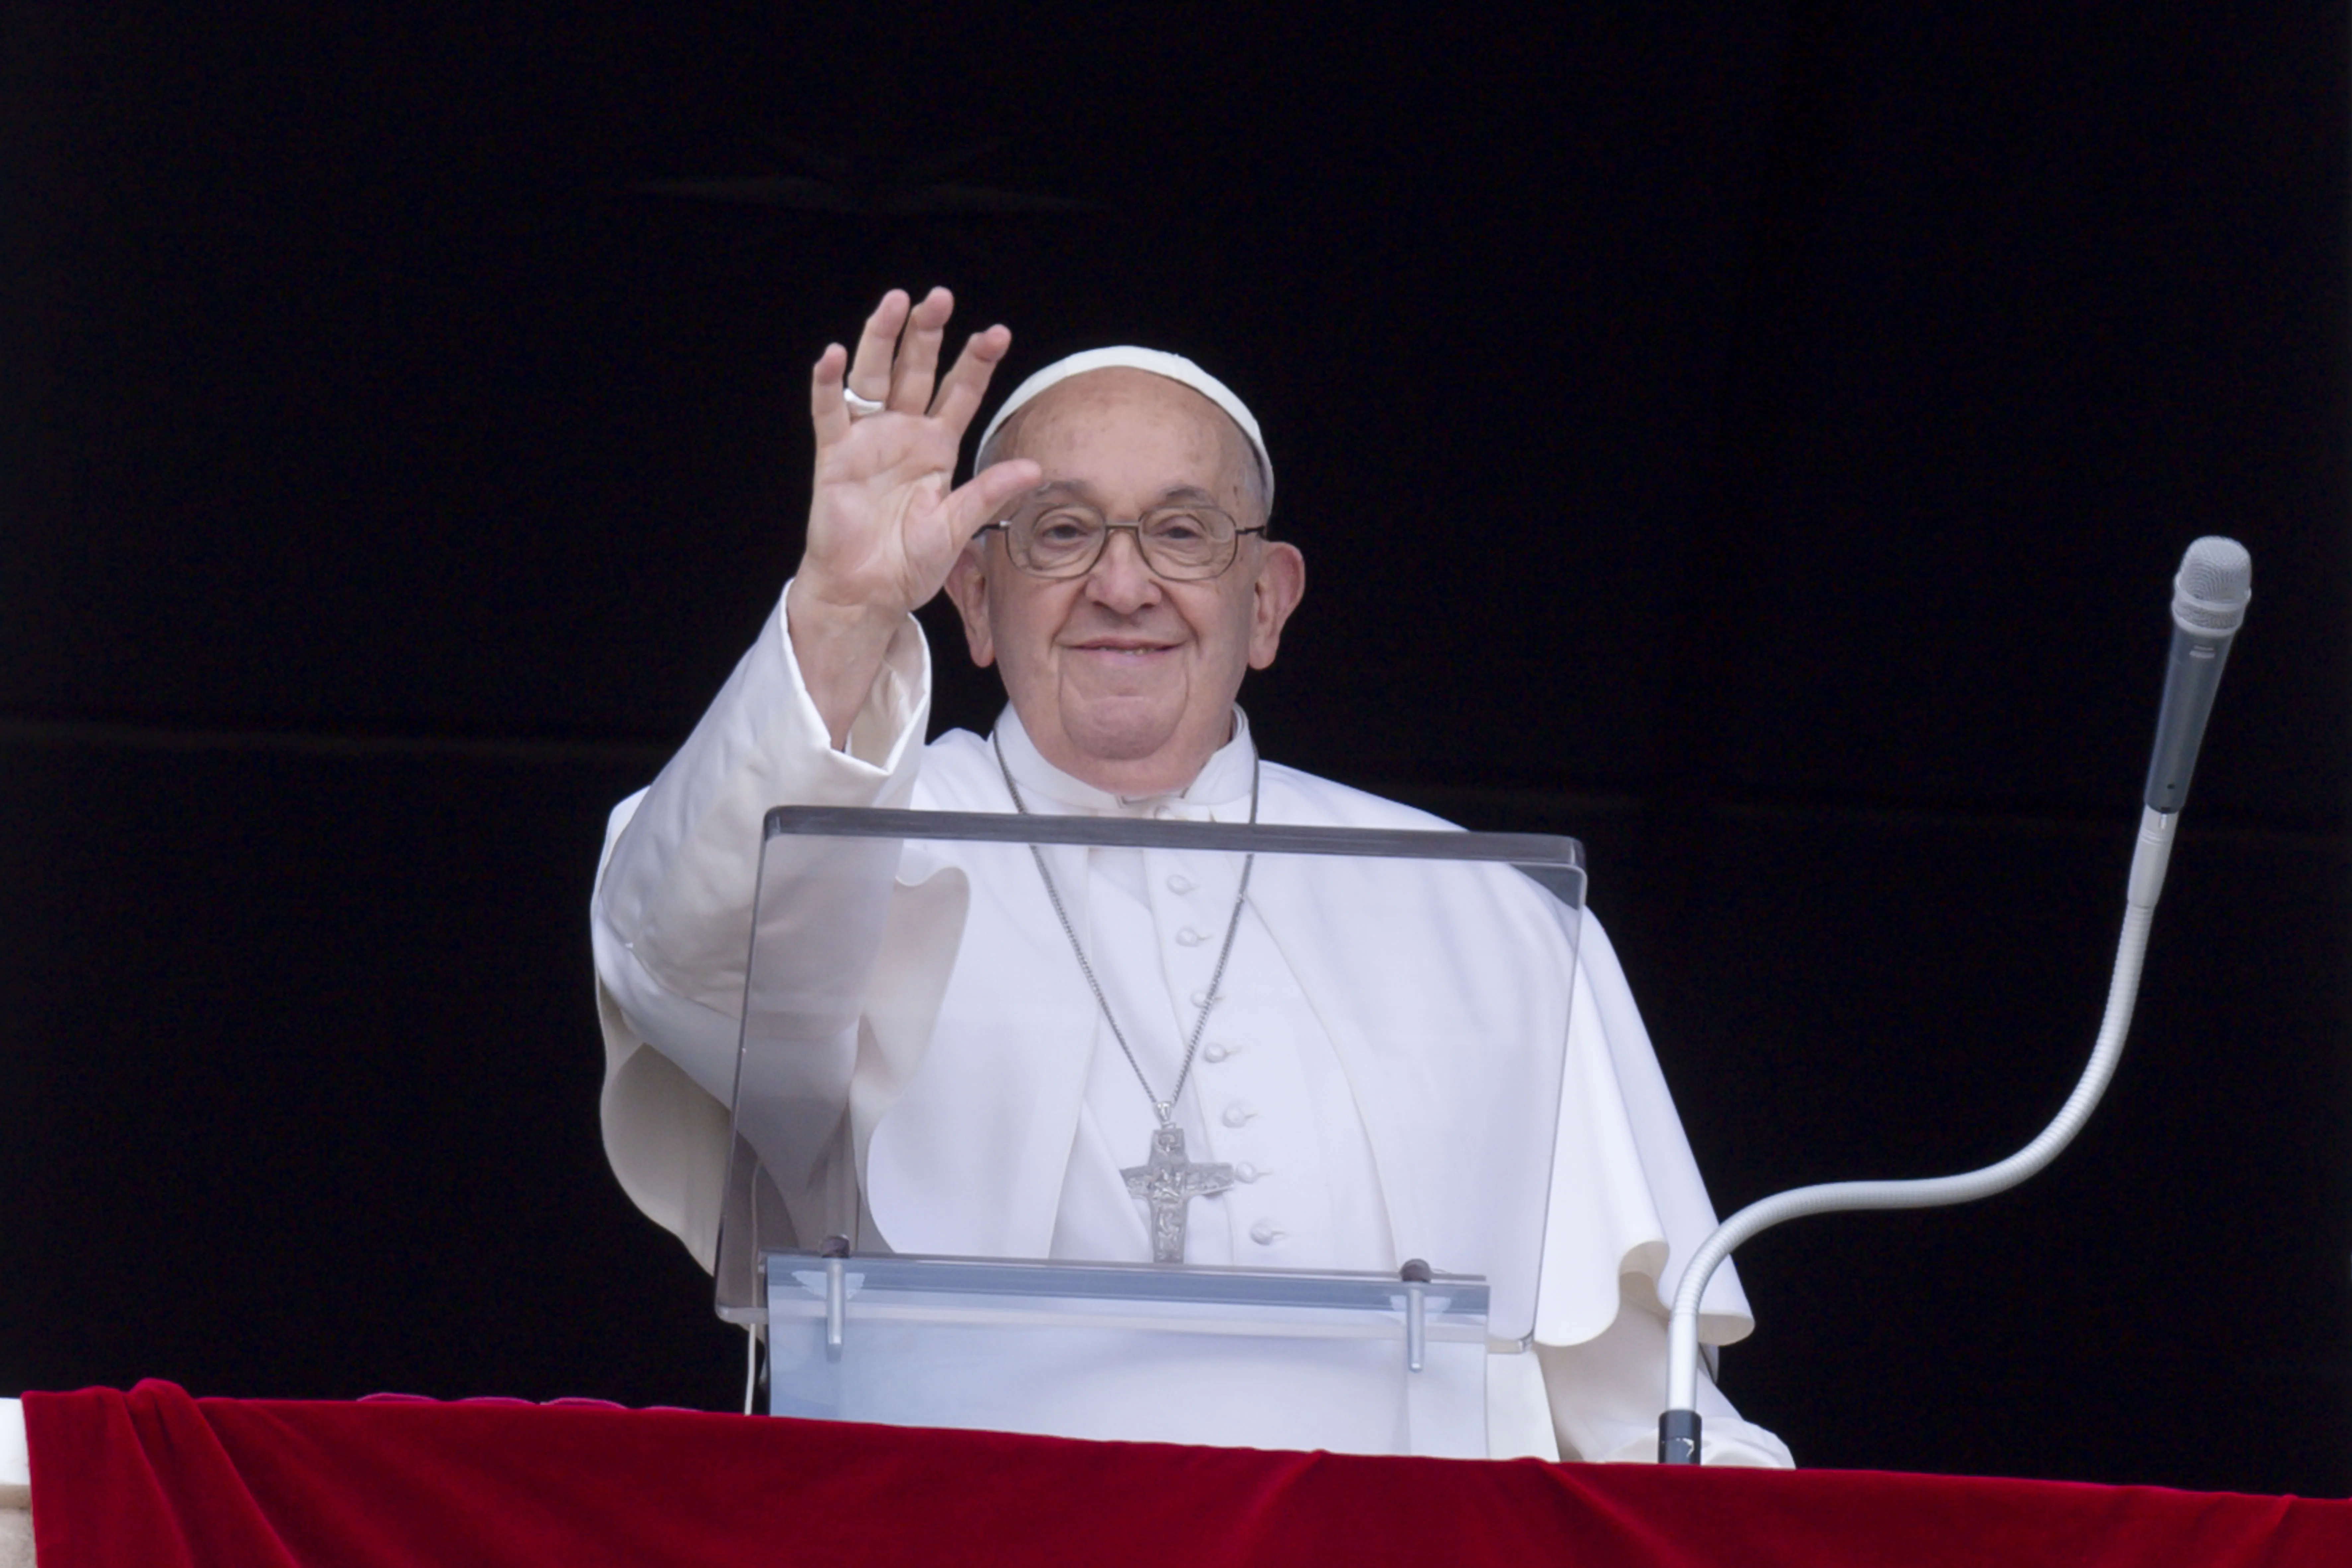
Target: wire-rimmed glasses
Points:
(1187, 543)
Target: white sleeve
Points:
(1627, 1203)
(1626, 1212)
(1606, 1394)
(671, 918)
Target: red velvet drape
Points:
(158, 1479)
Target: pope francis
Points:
(1110, 557)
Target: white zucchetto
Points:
(1175, 367)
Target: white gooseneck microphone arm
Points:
(2209, 604)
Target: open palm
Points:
(885, 518)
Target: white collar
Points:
(1224, 781)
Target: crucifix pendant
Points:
(1169, 1182)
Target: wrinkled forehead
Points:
(1152, 362)
(1133, 431)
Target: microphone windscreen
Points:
(2217, 578)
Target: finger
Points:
(983, 498)
(826, 410)
(967, 381)
(869, 372)
(918, 353)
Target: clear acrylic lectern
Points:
(948, 1182)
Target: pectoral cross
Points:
(1169, 1181)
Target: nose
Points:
(1122, 581)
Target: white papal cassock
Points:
(1270, 1094)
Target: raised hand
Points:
(885, 521)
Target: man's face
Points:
(1122, 677)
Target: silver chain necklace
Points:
(1166, 1181)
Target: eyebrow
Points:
(1189, 492)
(1075, 489)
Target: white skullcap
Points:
(1175, 367)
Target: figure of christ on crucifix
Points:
(1170, 1183)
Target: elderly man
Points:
(1110, 557)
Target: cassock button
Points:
(1200, 998)
(1187, 937)
(1237, 1114)
(1179, 884)
(1215, 1051)
(1265, 1233)
(1246, 1171)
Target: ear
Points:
(967, 585)
(1281, 584)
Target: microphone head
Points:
(2217, 578)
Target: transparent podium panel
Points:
(1340, 1362)
(1087, 1116)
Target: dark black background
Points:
(1754, 438)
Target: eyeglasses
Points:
(1061, 540)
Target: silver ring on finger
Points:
(860, 408)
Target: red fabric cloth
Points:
(158, 1479)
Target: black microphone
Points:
(2209, 604)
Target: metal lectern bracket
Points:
(1416, 1277)
(835, 1253)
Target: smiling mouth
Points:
(1123, 649)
